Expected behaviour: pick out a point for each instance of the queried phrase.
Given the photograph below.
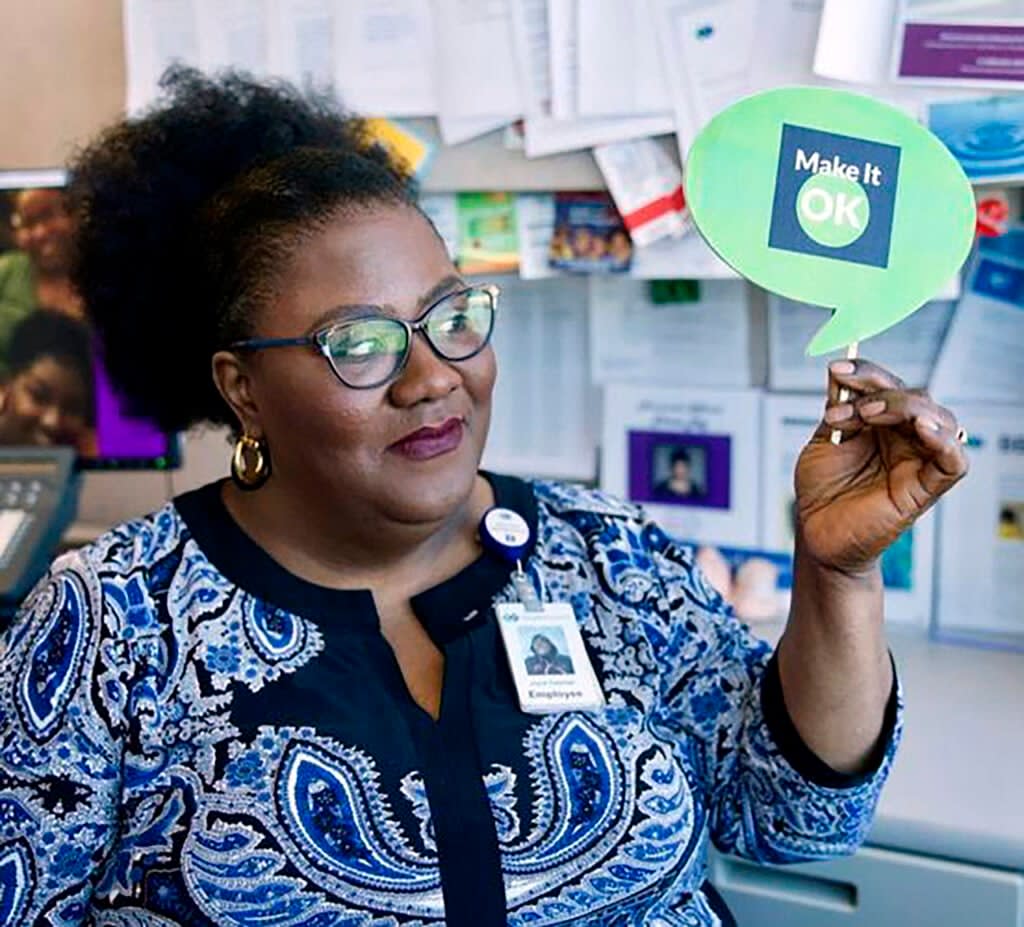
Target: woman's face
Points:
(44, 404)
(352, 446)
(43, 229)
(542, 647)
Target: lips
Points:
(431, 441)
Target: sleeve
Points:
(61, 735)
(769, 798)
(16, 295)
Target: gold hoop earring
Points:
(250, 463)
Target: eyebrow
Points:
(440, 289)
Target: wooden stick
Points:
(844, 394)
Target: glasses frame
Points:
(318, 339)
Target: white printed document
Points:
(545, 48)
(701, 343)
(689, 456)
(157, 32)
(908, 349)
(706, 48)
(981, 531)
(544, 421)
(619, 69)
(385, 61)
(476, 68)
(855, 40)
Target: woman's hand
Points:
(898, 455)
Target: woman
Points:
(283, 698)
(544, 658)
(38, 273)
(47, 396)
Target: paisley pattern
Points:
(131, 797)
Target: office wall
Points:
(61, 77)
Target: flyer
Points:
(690, 457)
(960, 42)
(487, 239)
(589, 236)
(985, 135)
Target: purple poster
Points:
(680, 469)
(969, 53)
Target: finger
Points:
(948, 463)
(841, 417)
(902, 407)
(862, 375)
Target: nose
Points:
(426, 377)
(50, 422)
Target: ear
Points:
(234, 382)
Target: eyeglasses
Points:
(366, 353)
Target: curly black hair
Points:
(49, 333)
(186, 214)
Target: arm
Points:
(834, 664)
(61, 732)
(768, 795)
(898, 455)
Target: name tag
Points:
(549, 664)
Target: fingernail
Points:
(929, 423)
(842, 367)
(876, 407)
(838, 413)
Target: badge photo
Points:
(549, 663)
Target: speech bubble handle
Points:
(844, 394)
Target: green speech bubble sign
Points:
(834, 199)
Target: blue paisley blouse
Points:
(191, 735)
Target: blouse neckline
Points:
(447, 610)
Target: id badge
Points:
(549, 663)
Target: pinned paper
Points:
(403, 143)
(832, 198)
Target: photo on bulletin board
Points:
(756, 583)
(680, 469)
(1011, 520)
(53, 386)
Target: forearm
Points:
(834, 664)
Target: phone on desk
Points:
(38, 500)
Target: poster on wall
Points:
(688, 456)
(960, 43)
(54, 388)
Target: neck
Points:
(336, 549)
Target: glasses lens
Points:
(368, 352)
(460, 325)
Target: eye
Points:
(366, 341)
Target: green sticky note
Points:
(835, 199)
(674, 291)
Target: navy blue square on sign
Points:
(872, 166)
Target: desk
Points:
(947, 845)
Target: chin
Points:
(430, 493)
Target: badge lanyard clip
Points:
(524, 589)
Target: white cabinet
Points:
(875, 888)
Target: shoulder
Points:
(604, 520)
(14, 263)
(568, 501)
